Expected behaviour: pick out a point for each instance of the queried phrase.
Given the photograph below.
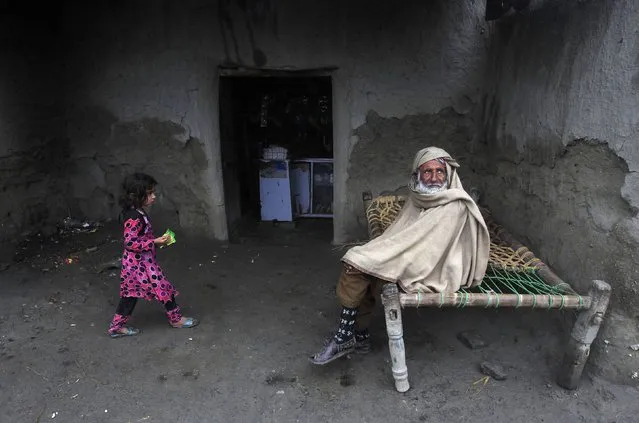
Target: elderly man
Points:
(438, 243)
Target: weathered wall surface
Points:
(381, 160)
(33, 149)
(137, 102)
(422, 91)
(561, 131)
(144, 61)
(160, 148)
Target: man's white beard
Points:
(430, 189)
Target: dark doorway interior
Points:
(257, 112)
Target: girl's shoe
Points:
(189, 322)
(128, 332)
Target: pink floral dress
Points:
(141, 277)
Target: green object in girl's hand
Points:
(171, 236)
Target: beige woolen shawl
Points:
(438, 243)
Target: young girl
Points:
(141, 277)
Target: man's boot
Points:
(342, 342)
(362, 341)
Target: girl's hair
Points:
(135, 189)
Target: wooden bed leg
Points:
(393, 314)
(583, 333)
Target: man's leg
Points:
(364, 316)
(352, 289)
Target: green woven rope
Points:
(498, 281)
(502, 281)
(489, 300)
(465, 299)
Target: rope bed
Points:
(515, 276)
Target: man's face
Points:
(432, 174)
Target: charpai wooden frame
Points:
(508, 253)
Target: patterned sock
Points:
(118, 323)
(362, 335)
(346, 328)
(174, 315)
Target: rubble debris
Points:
(471, 339)
(70, 224)
(116, 263)
(493, 370)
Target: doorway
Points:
(276, 129)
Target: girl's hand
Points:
(161, 240)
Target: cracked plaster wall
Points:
(33, 147)
(381, 160)
(160, 61)
(561, 135)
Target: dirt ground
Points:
(265, 303)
